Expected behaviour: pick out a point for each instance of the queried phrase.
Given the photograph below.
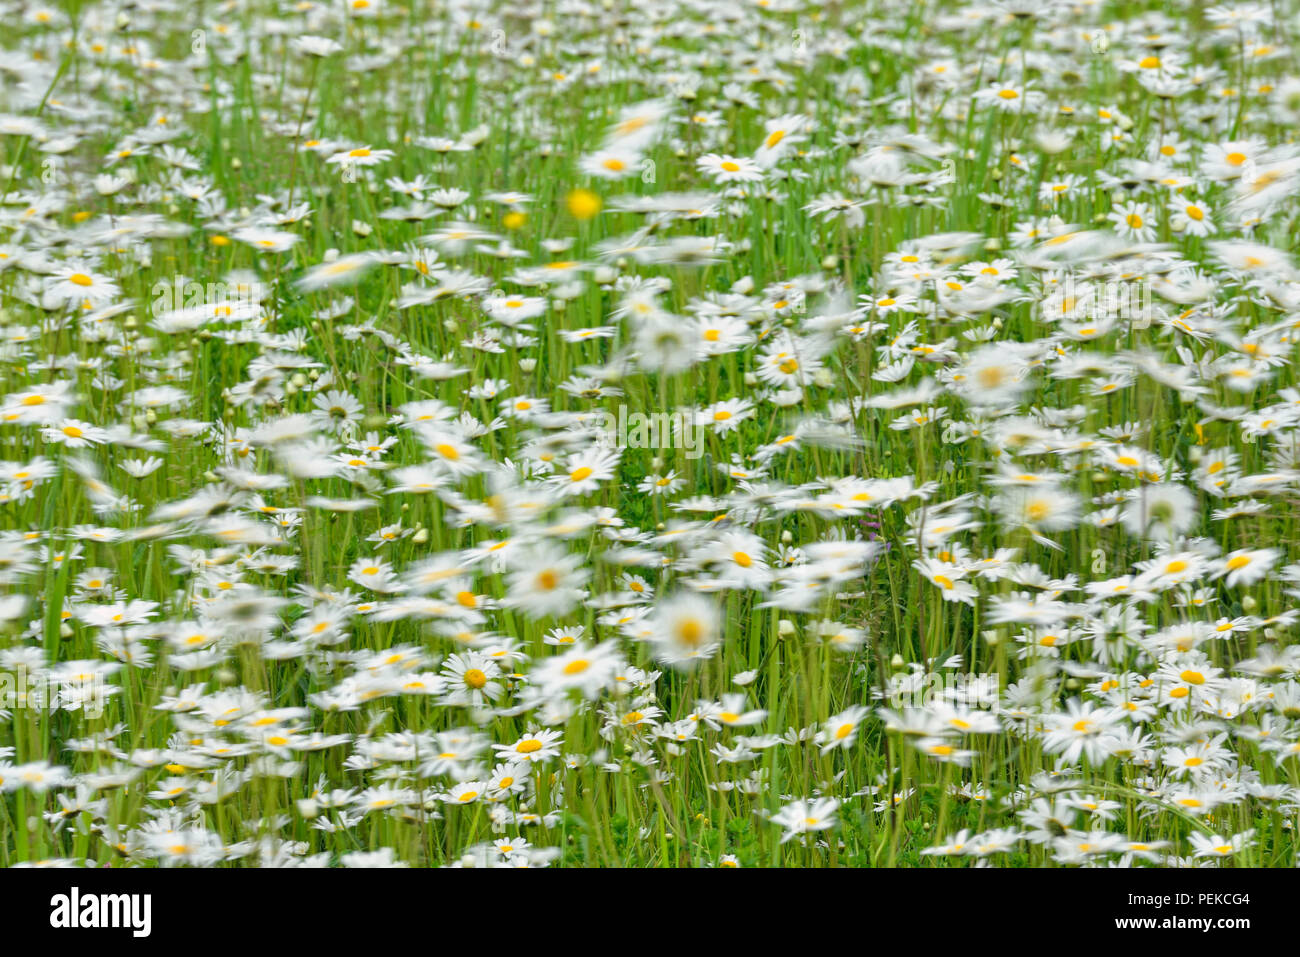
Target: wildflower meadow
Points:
(649, 433)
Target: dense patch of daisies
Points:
(659, 433)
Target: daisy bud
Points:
(1073, 684)
(605, 275)
(65, 631)
(151, 416)
(831, 262)
(786, 537)
(526, 366)
(751, 380)
(1249, 605)
(785, 627)
(990, 638)
(236, 163)
(897, 661)
(450, 324)
(657, 462)
(420, 537)
(743, 287)
(823, 378)
(308, 808)
(1270, 633)
(331, 255)
(226, 676)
